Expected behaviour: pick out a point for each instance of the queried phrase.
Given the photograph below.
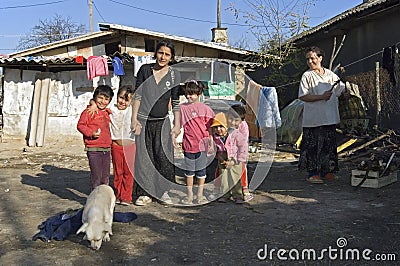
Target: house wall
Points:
(69, 95)
(364, 37)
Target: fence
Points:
(389, 113)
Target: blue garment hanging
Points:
(118, 68)
(268, 110)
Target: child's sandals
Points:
(201, 200)
(187, 200)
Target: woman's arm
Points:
(136, 127)
(313, 98)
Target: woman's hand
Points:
(326, 95)
(136, 127)
(175, 131)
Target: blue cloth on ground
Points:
(59, 226)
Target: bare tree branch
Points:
(51, 30)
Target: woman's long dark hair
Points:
(166, 43)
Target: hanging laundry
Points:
(396, 66)
(118, 68)
(79, 59)
(252, 99)
(220, 72)
(96, 66)
(140, 60)
(268, 111)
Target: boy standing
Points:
(95, 129)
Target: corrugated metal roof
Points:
(107, 29)
(346, 14)
(57, 60)
(213, 45)
(39, 60)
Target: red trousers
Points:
(123, 158)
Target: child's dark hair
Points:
(103, 90)
(127, 89)
(237, 111)
(166, 43)
(194, 87)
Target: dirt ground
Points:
(287, 213)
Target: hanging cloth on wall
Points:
(220, 72)
(79, 59)
(140, 60)
(118, 68)
(252, 99)
(96, 66)
(268, 110)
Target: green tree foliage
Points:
(51, 30)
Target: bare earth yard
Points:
(287, 213)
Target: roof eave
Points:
(55, 45)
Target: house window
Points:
(111, 48)
(150, 45)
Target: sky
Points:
(186, 18)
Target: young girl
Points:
(123, 147)
(236, 116)
(196, 118)
(95, 128)
(232, 152)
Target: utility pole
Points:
(219, 14)
(91, 15)
(219, 34)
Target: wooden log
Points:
(347, 153)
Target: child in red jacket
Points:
(95, 129)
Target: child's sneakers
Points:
(247, 196)
(143, 200)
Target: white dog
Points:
(97, 216)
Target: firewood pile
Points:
(379, 152)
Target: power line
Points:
(174, 16)
(98, 12)
(33, 5)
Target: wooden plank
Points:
(374, 181)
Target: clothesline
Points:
(352, 63)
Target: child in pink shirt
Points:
(196, 118)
